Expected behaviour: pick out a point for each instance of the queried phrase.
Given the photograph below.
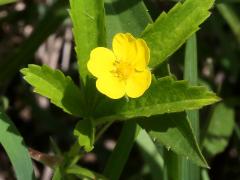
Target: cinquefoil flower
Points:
(124, 70)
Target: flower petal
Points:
(124, 47)
(143, 55)
(134, 51)
(111, 86)
(101, 62)
(138, 83)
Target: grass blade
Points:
(190, 171)
(12, 142)
(121, 152)
(180, 167)
(231, 18)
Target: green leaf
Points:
(58, 88)
(88, 29)
(3, 2)
(85, 132)
(119, 156)
(13, 143)
(125, 16)
(175, 133)
(84, 173)
(165, 95)
(219, 130)
(172, 29)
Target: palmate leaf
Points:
(175, 133)
(165, 95)
(58, 88)
(172, 29)
(88, 29)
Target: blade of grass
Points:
(190, 171)
(177, 167)
(119, 156)
(231, 18)
(12, 142)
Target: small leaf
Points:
(13, 144)
(85, 132)
(219, 130)
(175, 133)
(165, 95)
(88, 29)
(58, 88)
(172, 29)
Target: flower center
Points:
(123, 70)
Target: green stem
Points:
(105, 127)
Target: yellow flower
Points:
(124, 70)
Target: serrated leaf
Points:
(88, 29)
(175, 133)
(13, 144)
(172, 29)
(58, 88)
(165, 95)
(85, 133)
(219, 130)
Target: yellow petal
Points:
(111, 86)
(101, 61)
(124, 47)
(138, 83)
(131, 50)
(143, 55)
